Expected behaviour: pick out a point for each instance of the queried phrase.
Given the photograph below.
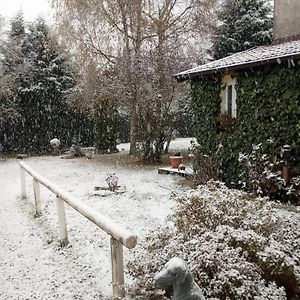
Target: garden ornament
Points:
(55, 143)
(175, 273)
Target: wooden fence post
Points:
(119, 235)
(117, 267)
(62, 223)
(23, 183)
(37, 197)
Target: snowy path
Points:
(29, 267)
(33, 266)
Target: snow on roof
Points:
(241, 60)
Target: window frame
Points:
(228, 83)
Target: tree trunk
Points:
(159, 148)
(133, 130)
(134, 82)
(168, 142)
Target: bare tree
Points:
(144, 42)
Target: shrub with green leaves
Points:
(263, 175)
(237, 247)
(205, 166)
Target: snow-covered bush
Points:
(237, 246)
(263, 175)
(205, 166)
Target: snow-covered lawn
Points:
(32, 264)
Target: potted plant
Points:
(225, 122)
(176, 159)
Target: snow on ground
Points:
(178, 143)
(32, 264)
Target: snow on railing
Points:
(119, 235)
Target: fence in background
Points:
(119, 235)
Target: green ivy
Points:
(205, 106)
(268, 106)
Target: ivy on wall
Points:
(268, 106)
(205, 107)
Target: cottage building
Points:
(251, 97)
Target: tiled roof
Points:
(248, 58)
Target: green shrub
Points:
(205, 166)
(263, 175)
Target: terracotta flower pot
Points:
(176, 161)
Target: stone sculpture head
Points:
(176, 273)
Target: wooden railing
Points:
(119, 235)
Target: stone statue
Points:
(75, 151)
(55, 143)
(175, 273)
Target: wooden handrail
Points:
(119, 234)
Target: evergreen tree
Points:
(12, 48)
(42, 95)
(9, 115)
(11, 67)
(105, 129)
(244, 24)
(40, 78)
(184, 117)
(17, 27)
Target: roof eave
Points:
(180, 77)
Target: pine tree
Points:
(45, 106)
(12, 48)
(40, 78)
(9, 115)
(244, 24)
(17, 27)
(105, 129)
(12, 66)
(42, 95)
